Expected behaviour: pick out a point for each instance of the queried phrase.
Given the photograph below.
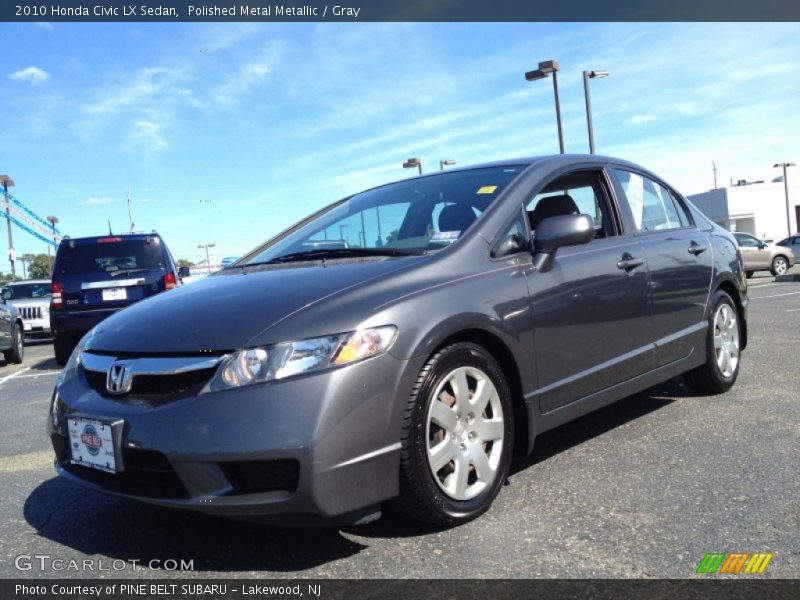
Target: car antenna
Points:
(109, 227)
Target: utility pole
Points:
(783, 166)
(208, 256)
(713, 164)
(130, 213)
(8, 182)
(52, 220)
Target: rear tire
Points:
(723, 349)
(16, 353)
(63, 345)
(456, 443)
(779, 266)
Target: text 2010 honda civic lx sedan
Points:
(401, 344)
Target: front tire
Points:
(457, 437)
(723, 349)
(16, 353)
(779, 266)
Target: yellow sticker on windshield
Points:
(487, 189)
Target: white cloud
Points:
(148, 134)
(32, 75)
(249, 75)
(45, 25)
(98, 200)
(642, 119)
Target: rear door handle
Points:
(695, 248)
(628, 262)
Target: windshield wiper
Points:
(127, 271)
(323, 253)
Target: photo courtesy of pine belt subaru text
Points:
(395, 349)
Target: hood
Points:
(223, 312)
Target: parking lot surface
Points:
(643, 488)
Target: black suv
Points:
(94, 277)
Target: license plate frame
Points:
(95, 443)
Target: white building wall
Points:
(759, 209)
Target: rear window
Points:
(21, 291)
(110, 255)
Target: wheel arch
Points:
(523, 430)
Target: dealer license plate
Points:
(115, 294)
(91, 443)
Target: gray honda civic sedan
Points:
(399, 346)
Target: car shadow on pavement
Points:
(600, 421)
(47, 364)
(97, 525)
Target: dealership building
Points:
(755, 208)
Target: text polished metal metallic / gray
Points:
(397, 347)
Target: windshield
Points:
(110, 255)
(20, 291)
(407, 217)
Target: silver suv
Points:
(760, 256)
(32, 298)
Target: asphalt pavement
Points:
(643, 488)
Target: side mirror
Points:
(183, 272)
(554, 232)
(7, 294)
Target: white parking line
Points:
(34, 375)
(774, 296)
(792, 309)
(17, 374)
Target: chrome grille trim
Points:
(150, 365)
(30, 312)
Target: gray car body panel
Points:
(344, 425)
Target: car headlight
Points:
(287, 359)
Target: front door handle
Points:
(695, 248)
(628, 262)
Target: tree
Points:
(184, 262)
(39, 268)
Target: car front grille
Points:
(147, 474)
(30, 312)
(258, 476)
(157, 389)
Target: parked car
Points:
(228, 261)
(94, 277)
(762, 256)
(11, 332)
(793, 243)
(472, 310)
(32, 298)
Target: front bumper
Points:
(34, 326)
(323, 445)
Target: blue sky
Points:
(228, 133)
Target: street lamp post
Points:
(544, 70)
(52, 220)
(413, 162)
(7, 183)
(587, 75)
(784, 166)
(208, 256)
(448, 162)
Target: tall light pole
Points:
(447, 162)
(587, 75)
(7, 183)
(26, 260)
(714, 166)
(208, 256)
(784, 166)
(130, 213)
(52, 220)
(544, 70)
(413, 162)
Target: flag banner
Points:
(24, 227)
(32, 214)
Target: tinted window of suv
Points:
(109, 255)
